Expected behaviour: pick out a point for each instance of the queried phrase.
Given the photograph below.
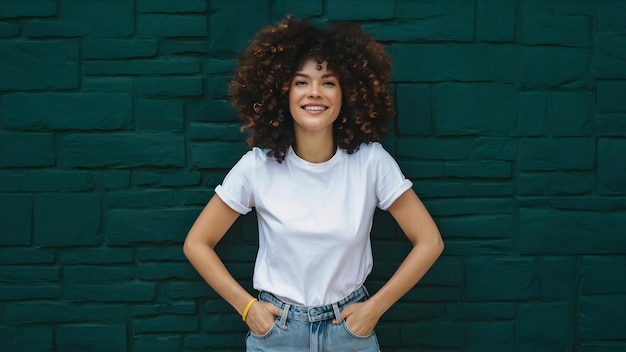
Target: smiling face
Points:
(314, 98)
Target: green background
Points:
(115, 126)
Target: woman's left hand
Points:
(360, 319)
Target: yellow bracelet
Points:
(245, 311)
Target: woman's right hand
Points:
(261, 317)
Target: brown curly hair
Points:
(267, 66)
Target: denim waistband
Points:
(318, 313)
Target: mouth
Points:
(314, 108)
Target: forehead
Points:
(311, 65)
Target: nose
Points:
(314, 91)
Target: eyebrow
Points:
(326, 75)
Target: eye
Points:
(329, 84)
(299, 83)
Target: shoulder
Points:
(373, 151)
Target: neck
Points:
(315, 149)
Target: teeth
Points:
(314, 108)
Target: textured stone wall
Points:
(115, 126)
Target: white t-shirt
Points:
(314, 219)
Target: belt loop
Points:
(283, 317)
(338, 317)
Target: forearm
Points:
(419, 260)
(214, 272)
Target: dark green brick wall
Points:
(115, 126)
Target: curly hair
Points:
(267, 66)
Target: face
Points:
(314, 98)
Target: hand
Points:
(360, 319)
(261, 317)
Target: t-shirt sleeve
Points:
(236, 190)
(390, 181)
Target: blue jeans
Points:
(310, 329)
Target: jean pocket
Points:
(353, 334)
(267, 334)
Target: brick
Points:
(121, 150)
(602, 347)
(96, 256)
(119, 48)
(558, 277)
(27, 255)
(491, 336)
(491, 170)
(165, 271)
(463, 189)
(489, 226)
(611, 125)
(27, 338)
(94, 274)
(545, 326)
(541, 231)
(9, 29)
(602, 275)
(610, 55)
(189, 47)
(480, 206)
(216, 154)
(602, 317)
(426, 21)
(216, 131)
(23, 68)
(611, 16)
(29, 274)
(550, 67)
(33, 111)
(159, 115)
(587, 203)
(20, 292)
(432, 334)
(170, 86)
(106, 293)
(226, 16)
(557, 182)
(172, 253)
(532, 110)
(113, 179)
(537, 6)
(610, 97)
(489, 311)
(281, 8)
(411, 311)
(56, 181)
(446, 271)
(495, 21)
(561, 30)
(214, 110)
(556, 154)
(414, 109)
(208, 342)
(351, 10)
(95, 18)
(178, 66)
(52, 29)
(498, 279)
(610, 167)
(26, 149)
(218, 87)
(163, 6)
(480, 109)
(172, 25)
(127, 227)
(570, 114)
(482, 247)
(575, 7)
(110, 337)
(421, 169)
(15, 219)
(216, 323)
(180, 308)
(462, 148)
(447, 62)
(166, 324)
(156, 343)
(51, 227)
(166, 179)
(61, 312)
(124, 199)
(32, 8)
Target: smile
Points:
(315, 108)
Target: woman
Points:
(315, 103)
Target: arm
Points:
(199, 248)
(421, 230)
